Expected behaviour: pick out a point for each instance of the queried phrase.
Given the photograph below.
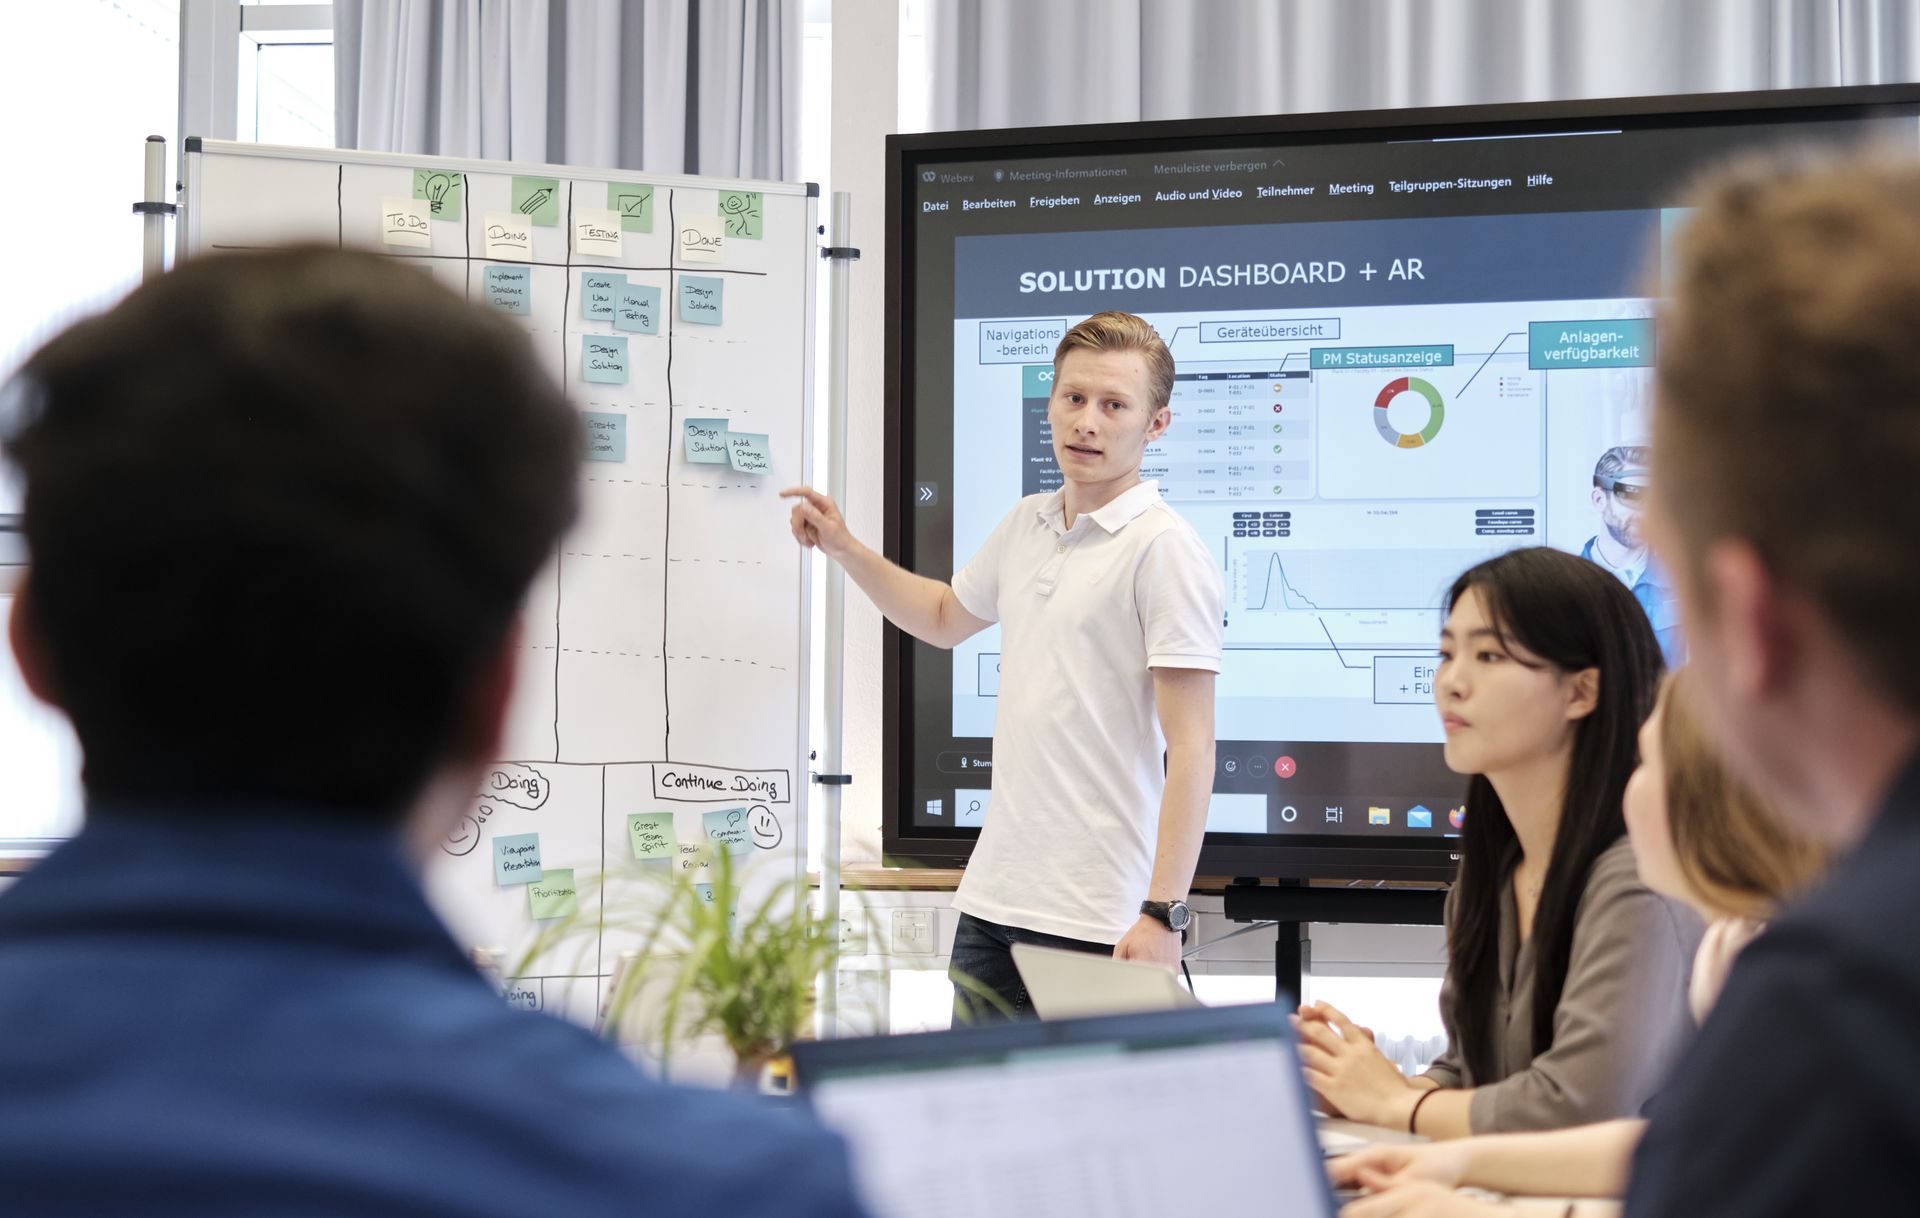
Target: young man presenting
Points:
(1110, 611)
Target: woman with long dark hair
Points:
(1565, 998)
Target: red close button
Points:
(1283, 767)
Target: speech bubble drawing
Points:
(519, 785)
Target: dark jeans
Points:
(983, 960)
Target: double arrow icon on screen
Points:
(926, 494)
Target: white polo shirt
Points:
(1084, 613)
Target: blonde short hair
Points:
(1113, 331)
(1733, 850)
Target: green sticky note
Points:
(516, 858)
(741, 211)
(538, 199)
(727, 829)
(553, 895)
(651, 835)
(635, 205)
(748, 452)
(706, 440)
(441, 190)
(702, 302)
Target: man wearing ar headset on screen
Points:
(1110, 610)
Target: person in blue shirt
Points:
(1786, 452)
(281, 512)
(1620, 497)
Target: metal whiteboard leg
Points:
(153, 210)
(833, 674)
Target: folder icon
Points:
(1379, 816)
(1419, 817)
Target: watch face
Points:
(1178, 915)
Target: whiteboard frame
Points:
(195, 147)
(188, 243)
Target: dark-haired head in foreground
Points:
(281, 511)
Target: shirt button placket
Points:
(1050, 574)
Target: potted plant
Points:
(716, 956)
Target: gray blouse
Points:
(1622, 1017)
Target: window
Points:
(286, 74)
(113, 66)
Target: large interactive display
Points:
(1405, 342)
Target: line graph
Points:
(1318, 581)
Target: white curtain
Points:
(667, 86)
(1012, 63)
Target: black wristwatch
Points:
(1174, 915)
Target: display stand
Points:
(1293, 906)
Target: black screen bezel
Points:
(1351, 857)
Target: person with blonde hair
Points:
(1111, 613)
(1699, 836)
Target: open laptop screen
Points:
(1144, 1115)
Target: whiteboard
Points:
(663, 663)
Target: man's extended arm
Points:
(925, 608)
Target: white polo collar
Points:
(1115, 516)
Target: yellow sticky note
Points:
(404, 222)
(702, 239)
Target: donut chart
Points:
(1436, 412)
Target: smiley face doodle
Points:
(766, 827)
(463, 837)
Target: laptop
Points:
(1074, 985)
(1100, 1117)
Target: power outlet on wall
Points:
(853, 931)
(912, 932)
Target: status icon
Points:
(1419, 817)
(1379, 816)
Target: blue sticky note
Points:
(701, 299)
(516, 858)
(637, 309)
(707, 896)
(603, 359)
(705, 440)
(606, 436)
(599, 292)
(510, 289)
(748, 453)
(727, 830)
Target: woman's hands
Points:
(1350, 1075)
(1421, 1200)
(1414, 1181)
(1384, 1166)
